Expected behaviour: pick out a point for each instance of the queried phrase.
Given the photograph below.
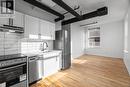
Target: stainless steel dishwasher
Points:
(35, 69)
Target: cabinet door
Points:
(44, 30)
(50, 66)
(47, 30)
(18, 19)
(58, 62)
(4, 21)
(52, 30)
(31, 27)
(44, 27)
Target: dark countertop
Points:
(12, 56)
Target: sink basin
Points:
(47, 51)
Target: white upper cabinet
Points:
(4, 21)
(18, 20)
(52, 30)
(47, 30)
(35, 27)
(44, 30)
(31, 27)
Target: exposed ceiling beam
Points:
(67, 8)
(99, 12)
(58, 19)
(76, 8)
(46, 8)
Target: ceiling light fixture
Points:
(88, 24)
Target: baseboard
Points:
(34, 82)
(103, 56)
(78, 57)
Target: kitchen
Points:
(43, 40)
(18, 50)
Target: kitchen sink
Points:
(47, 51)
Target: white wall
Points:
(77, 41)
(127, 41)
(112, 40)
(128, 60)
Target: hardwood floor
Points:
(90, 71)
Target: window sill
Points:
(93, 47)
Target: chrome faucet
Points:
(43, 46)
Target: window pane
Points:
(94, 37)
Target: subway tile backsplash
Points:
(31, 46)
(13, 43)
(27, 47)
(9, 43)
(1, 43)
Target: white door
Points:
(31, 27)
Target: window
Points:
(94, 37)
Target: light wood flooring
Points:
(90, 71)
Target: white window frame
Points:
(94, 42)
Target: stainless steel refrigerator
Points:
(63, 42)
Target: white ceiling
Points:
(117, 9)
(49, 3)
(84, 4)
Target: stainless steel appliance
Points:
(13, 71)
(11, 28)
(63, 42)
(35, 69)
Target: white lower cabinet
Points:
(58, 62)
(51, 66)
